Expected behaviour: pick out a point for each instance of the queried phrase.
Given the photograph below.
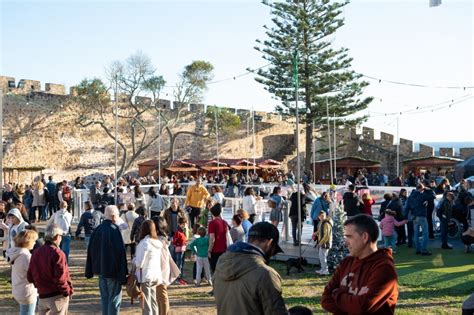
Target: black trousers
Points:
(410, 228)
(429, 218)
(401, 234)
(213, 260)
(193, 215)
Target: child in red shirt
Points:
(179, 248)
(368, 202)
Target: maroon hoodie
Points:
(363, 286)
(49, 272)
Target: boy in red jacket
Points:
(366, 282)
(179, 244)
(49, 272)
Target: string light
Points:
(415, 84)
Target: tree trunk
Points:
(309, 146)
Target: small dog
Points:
(296, 262)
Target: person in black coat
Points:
(294, 215)
(106, 257)
(351, 202)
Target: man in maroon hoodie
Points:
(49, 272)
(366, 282)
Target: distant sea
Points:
(455, 145)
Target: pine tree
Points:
(307, 27)
(338, 251)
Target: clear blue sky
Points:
(66, 41)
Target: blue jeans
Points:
(390, 241)
(87, 238)
(27, 309)
(420, 223)
(65, 246)
(179, 261)
(110, 295)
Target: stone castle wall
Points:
(39, 136)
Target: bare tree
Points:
(138, 87)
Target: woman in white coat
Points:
(148, 266)
(169, 269)
(23, 292)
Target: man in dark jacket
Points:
(106, 257)
(351, 202)
(417, 203)
(49, 272)
(243, 281)
(444, 213)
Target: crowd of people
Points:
(231, 257)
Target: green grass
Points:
(428, 285)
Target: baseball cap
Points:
(268, 231)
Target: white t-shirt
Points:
(248, 204)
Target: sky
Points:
(400, 40)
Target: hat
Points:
(268, 231)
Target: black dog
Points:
(296, 262)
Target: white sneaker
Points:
(318, 272)
(324, 273)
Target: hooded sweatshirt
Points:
(148, 260)
(15, 229)
(245, 284)
(363, 286)
(23, 291)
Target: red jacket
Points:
(49, 272)
(363, 286)
(368, 206)
(179, 238)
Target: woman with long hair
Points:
(148, 266)
(155, 203)
(169, 269)
(276, 215)
(39, 202)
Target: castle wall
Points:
(34, 136)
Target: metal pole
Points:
(314, 156)
(116, 133)
(248, 133)
(159, 147)
(217, 141)
(298, 166)
(329, 139)
(1, 139)
(254, 139)
(335, 147)
(398, 146)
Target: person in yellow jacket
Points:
(323, 238)
(195, 200)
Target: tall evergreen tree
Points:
(307, 27)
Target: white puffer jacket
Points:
(148, 259)
(128, 218)
(23, 291)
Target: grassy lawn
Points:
(428, 285)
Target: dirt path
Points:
(86, 300)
